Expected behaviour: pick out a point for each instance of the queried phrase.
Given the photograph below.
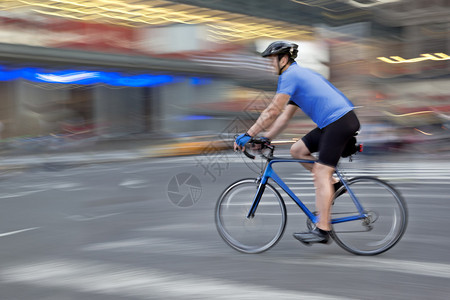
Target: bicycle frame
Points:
(270, 173)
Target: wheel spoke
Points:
(385, 222)
(255, 234)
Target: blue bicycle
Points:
(369, 216)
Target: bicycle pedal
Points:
(312, 237)
(303, 242)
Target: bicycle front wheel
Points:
(385, 217)
(258, 233)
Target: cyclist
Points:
(333, 114)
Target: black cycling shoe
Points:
(337, 186)
(315, 235)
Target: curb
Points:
(55, 161)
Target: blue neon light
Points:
(95, 77)
(195, 118)
(200, 81)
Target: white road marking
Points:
(419, 268)
(18, 231)
(159, 245)
(19, 194)
(43, 187)
(183, 247)
(141, 283)
(308, 188)
(175, 227)
(297, 179)
(51, 185)
(305, 194)
(426, 239)
(425, 196)
(134, 183)
(82, 218)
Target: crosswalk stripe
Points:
(440, 270)
(142, 283)
(183, 247)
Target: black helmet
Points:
(280, 47)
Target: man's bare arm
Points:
(270, 114)
(281, 122)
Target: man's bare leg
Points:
(324, 194)
(323, 182)
(300, 151)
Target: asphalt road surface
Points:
(145, 230)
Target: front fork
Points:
(259, 193)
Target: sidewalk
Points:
(108, 151)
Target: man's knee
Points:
(322, 173)
(299, 150)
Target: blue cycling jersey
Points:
(315, 95)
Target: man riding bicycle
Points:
(330, 110)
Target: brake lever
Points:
(251, 156)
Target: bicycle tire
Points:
(250, 235)
(386, 221)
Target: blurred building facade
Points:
(96, 69)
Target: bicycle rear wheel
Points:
(385, 221)
(250, 235)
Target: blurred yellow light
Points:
(409, 114)
(442, 55)
(285, 141)
(426, 56)
(423, 132)
(225, 26)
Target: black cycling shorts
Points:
(330, 141)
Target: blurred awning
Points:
(55, 57)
